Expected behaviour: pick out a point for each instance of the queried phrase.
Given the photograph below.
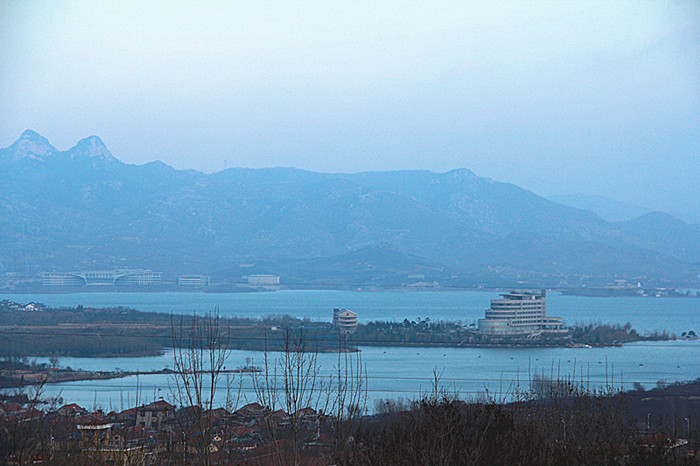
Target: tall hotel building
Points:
(520, 313)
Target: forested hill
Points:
(83, 208)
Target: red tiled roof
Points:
(71, 406)
(158, 405)
(12, 407)
(280, 415)
(306, 412)
(218, 412)
(249, 408)
(241, 430)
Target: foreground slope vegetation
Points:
(555, 422)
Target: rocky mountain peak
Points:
(461, 174)
(31, 135)
(30, 145)
(91, 147)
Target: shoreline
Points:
(124, 332)
(31, 376)
(588, 292)
(18, 378)
(358, 348)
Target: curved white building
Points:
(520, 313)
(117, 277)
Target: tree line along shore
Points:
(118, 332)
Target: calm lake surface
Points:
(405, 372)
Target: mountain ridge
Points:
(87, 209)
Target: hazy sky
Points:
(558, 97)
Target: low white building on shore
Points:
(262, 280)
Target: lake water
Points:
(406, 372)
(645, 314)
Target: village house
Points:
(153, 415)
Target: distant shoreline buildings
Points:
(193, 281)
(115, 277)
(521, 314)
(262, 280)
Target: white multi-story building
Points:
(344, 320)
(520, 313)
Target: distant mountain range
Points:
(612, 210)
(606, 208)
(83, 208)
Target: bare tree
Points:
(291, 382)
(347, 400)
(27, 430)
(200, 350)
(53, 361)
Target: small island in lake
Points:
(518, 319)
